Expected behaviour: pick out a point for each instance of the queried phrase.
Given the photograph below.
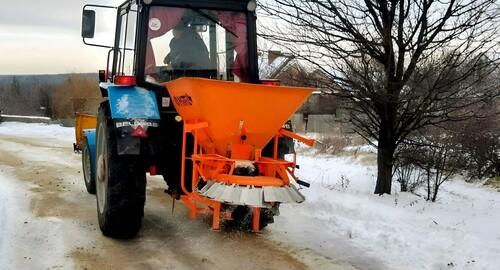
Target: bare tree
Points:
(46, 99)
(26, 95)
(479, 140)
(378, 52)
(2, 98)
(407, 173)
(15, 98)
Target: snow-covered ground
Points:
(38, 130)
(25, 240)
(24, 116)
(459, 231)
(341, 219)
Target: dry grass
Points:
(332, 144)
(494, 182)
(76, 94)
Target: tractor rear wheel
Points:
(120, 183)
(87, 169)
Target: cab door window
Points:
(126, 57)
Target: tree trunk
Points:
(437, 181)
(404, 186)
(385, 153)
(435, 191)
(385, 160)
(428, 184)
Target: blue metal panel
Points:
(90, 140)
(132, 102)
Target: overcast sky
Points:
(43, 37)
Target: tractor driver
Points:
(188, 52)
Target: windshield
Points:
(186, 42)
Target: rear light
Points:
(152, 170)
(139, 132)
(125, 80)
(272, 82)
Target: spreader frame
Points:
(208, 166)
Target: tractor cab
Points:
(157, 41)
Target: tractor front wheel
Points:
(87, 169)
(120, 183)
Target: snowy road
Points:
(48, 221)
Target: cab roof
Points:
(236, 5)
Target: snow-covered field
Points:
(459, 231)
(343, 220)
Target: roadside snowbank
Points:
(34, 130)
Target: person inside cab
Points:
(188, 54)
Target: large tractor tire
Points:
(120, 183)
(87, 169)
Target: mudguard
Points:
(132, 102)
(131, 106)
(90, 140)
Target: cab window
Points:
(196, 43)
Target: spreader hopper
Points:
(234, 109)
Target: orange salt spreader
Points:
(231, 123)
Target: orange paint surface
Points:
(232, 110)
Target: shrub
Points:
(431, 158)
(332, 144)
